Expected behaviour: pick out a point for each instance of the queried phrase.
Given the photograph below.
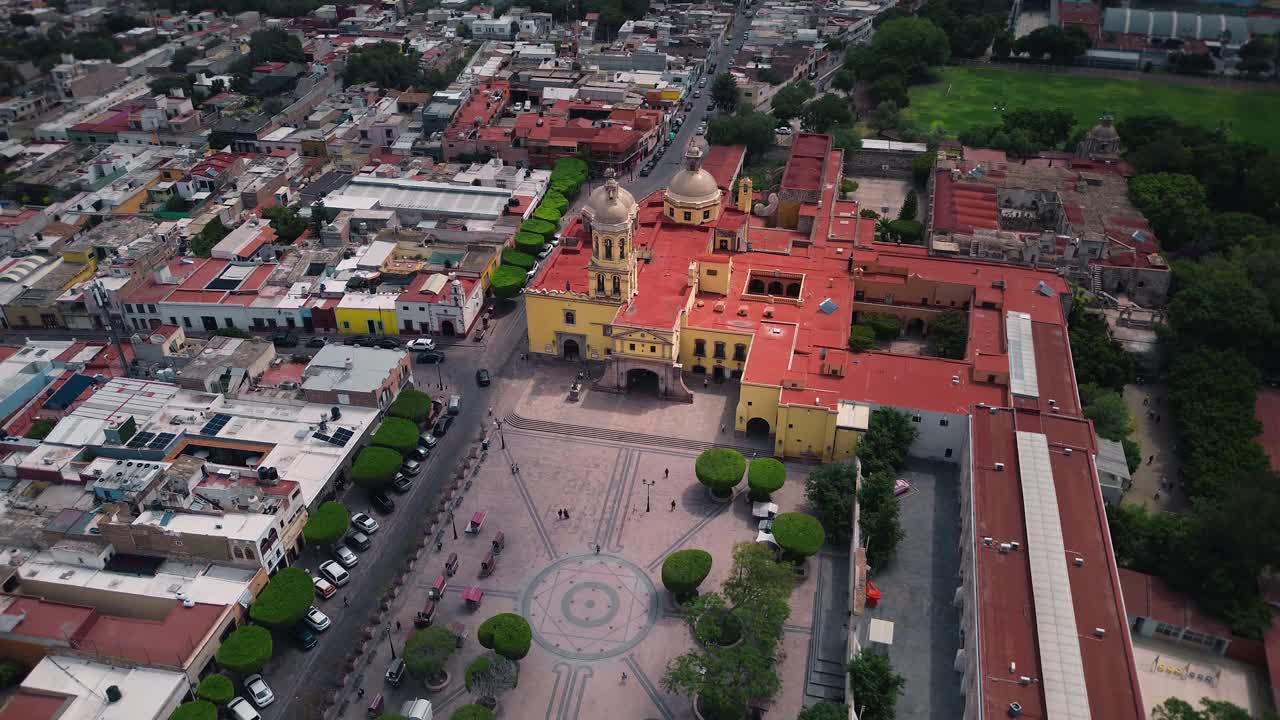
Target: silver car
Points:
(343, 555)
(316, 620)
(364, 523)
(259, 692)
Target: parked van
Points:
(455, 404)
(528, 106)
(416, 709)
(242, 710)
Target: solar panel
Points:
(140, 440)
(322, 437)
(162, 441)
(215, 424)
(341, 436)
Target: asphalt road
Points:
(301, 679)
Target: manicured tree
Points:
(195, 710)
(412, 405)
(507, 634)
(886, 327)
(861, 338)
(684, 570)
(327, 524)
(216, 688)
(549, 214)
(764, 477)
(825, 711)
(472, 712)
(799, 535)
(489, 676)
(375, 467)
(910, 206)
(397, 433)
(539, 227)
(530, 243)
(516, 258)
(246, 649)
(555, 201)
(284, 600)
(720, 469)
(427, 651)
(875, 685)
(506, 281)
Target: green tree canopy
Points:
(530, 243)
(201, 245)
(756, 578)
(547, 213)
(1217, 304)
(472, 712)
(684, 570)
(910, 206)
(907, 45)
(384, 65)
(879, 518)
(747, 127)
(887, 441)
(284, 600)
(949, 335)
(397, 433)
(1052, 42)
(875, 686)
(798, 534)
(327, 524)
(861, 338)
(830, 491)
(789, 101)
(507, 634)
(413, 405)
(824, 711)
(724, 92)
(826, 112)
(427, 651)
(375, 467)
(1175, 206)
(195, 710)
(765, 476)
(506, 281)
(1108, 412)
(1098, 358)
(286, 222)
(216, 688)
(248, 647)
(515, 258)
(720, 469)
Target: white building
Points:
(440, 304)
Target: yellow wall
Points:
(757, 401)
(135, 201)
(546, 318)
(85, 273)
(489, 269)
(719, 281)
(642, 343)
(846, 444)
(804, 430)
(358, 319)
(687, 344)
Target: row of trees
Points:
(376, 465)
(567, 178)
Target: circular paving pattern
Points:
(590, 607)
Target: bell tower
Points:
(612, 271)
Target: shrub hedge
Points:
(216, 688)
(327, 524)
(886, 327)
(248, 647)
(397, 433)
(529, 244)
(507, 634)
(375, 467)
(539, 227)
(516, 258)
(412, 405)
(861, 338)
(506, 281)
(766, 476)
(684, 570)
(195, 710)
(472, 712)
(284, 600)
(548, 214)
(798, 534)
(427, 651)
(720, 469)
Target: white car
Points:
(335, 573)
(545, 252)
(344, 556)
(317, 620)
(702, 129)
(259, 692)
(366, 524)
(783, 130)
(240, 709)
(421, 344)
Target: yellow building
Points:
(362, 314)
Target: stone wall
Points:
(878, 163)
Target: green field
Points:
(977, 92)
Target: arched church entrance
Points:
(643, 381)
(570, 349)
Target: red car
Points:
(324, 588)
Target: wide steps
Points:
(519, 422)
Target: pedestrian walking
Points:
(566, 513)
(1150, 459)
(597, 548)
(346, 602)
(1156, 496)
(673, 506)
(706, 383)
(513, 468)
(397, 626)
(624, 677)
(439, 546)
(1146, 400)
(666, 472)
(360, 692)
(490, 411)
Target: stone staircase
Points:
(516, 421)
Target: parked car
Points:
(382, 501)
(395, 673)
(401, 484)
(702, 129)
(284, 339)
(427, 440)
(482, 377)
(367, 342)
(324, 588)
(334, 573)
(316, 620)
(365, 523)
(303, 635)
(546, 251)
(646, 171)
(783, 130)
(442, 426)
(316, 342)
(697, 94)
(352, 340)
(386, 344)
(417, 454)
(240, 709)
(421, 344)
(431, 357)
(411, 468)
(357, 540)
(344, 556)
(259, 692)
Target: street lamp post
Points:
(647, 484)
(439, 373)
(454, 524)
(391, 644)
(502, 438)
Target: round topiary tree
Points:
(506, 281)
(246, 649)
(472, 712)
(507, 634)
(284, 600)
(327, 524)
(413, 405)
(799, 535)
(555, 200)
(529, 243)
(427, 651)
(195, 710)
(683, 571)
(515, 258)
(217, 689)
(765, 476)
(539, 227)
(375, 467)
(547, 213)
(398, 434)
(720, 469)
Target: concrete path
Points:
(1155, 431)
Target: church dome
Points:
(693, 184)
(1104, 131)
(610, 204)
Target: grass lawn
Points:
(1250, 115)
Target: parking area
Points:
(590, 584)
(919, 585)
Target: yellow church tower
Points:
(610, 214)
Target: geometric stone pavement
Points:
(590, 607)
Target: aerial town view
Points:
(639, 360)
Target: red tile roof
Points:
(30, 706)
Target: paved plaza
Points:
(604, 628)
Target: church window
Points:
(570, 318)
(600, 284)
(653, 348)
(724, 243)
(633, 347)
(622, 249)
(719, 351)
(688, 216)
(700, 348)
(617, 285)
(608, 249)
(706, 214)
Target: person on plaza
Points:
(673, 506)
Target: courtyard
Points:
(965, 97)
(604, 627)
